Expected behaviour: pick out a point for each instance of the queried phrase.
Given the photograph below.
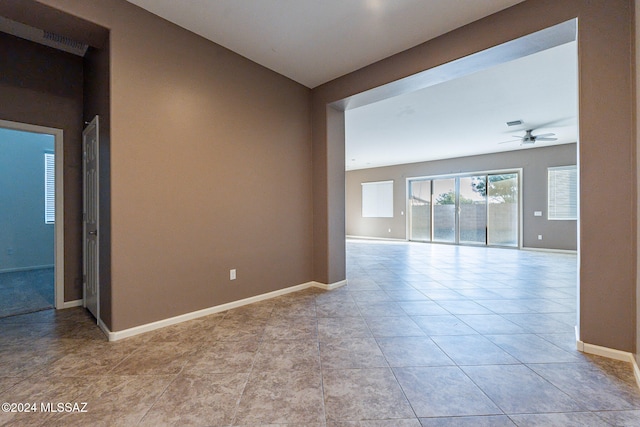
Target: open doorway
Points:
(465, 127)
(31, 241)
(472, 118)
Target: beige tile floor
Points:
(423, 335)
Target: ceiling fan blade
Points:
(511, 140)
(555, 123)
(546, 139)
(544, 135)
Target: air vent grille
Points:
(40, 36)
(57, 38)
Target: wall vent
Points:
(514, 123)
(46, 38)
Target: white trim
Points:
(557, 251)
(33, 267)
(611, 353)
(636, 371)
(58, 135)
(126, 333)
(375, 238)
(330, 286)
(74, 303)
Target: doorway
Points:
(31, 240)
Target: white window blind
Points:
(563, 193)
(377, 199)
(49, 189)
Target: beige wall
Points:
(199, 184)
(209, 162)
(637, 110)
(606, 150)
(533, 162)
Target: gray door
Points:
(91, 237)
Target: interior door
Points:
(91, 217)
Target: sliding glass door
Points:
(472, 224)
(503, 212)
(480, 209)
(444, 210)
(420, 210)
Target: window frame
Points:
(553, 206)
(49, 188)
(377, 199)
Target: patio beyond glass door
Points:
(472, 221)
(480, 209)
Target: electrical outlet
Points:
(389, 230)
(539, 236)
(232, 274)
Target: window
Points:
(49, 188)
(563, 193)
(377, 199)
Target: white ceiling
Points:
(467, 116)
(313, 42)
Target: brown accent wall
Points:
(606, 150)
(534, 163)
(43, 86)
(209, 170)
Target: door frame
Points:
(58, 250)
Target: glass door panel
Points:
(420, 210)
(444, 210)
(472, 217)
(503, 201)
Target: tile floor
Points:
(423, 335)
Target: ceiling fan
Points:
(529, 138)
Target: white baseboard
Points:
(557, 251)
(389, 239)
(636, 371)
(330, 286)
(611, 353)
(125, 333)
(70, 304)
